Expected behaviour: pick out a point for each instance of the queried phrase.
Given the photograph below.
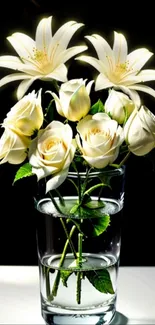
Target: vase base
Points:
(77, 319)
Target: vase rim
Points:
(111, 172)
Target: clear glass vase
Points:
(78, 240)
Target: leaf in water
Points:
(100, 279)
(87, 213)
(95, 226)
(23, 171)
(95, 204)
(64, 276)
(74, 208)
(100, 225)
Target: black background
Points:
(17, 224)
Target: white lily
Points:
(118, 68)
(43, 58)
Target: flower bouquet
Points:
(77, 146)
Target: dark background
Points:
(17, 224)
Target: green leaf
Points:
(64, 274)
(23, 171)
(100, 279)
(78, 159)
(87, 213)
(98, 107)
(105, 179)
(95, 226)
(95, 204)
(74, 208)
(100, 225)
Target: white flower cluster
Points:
(100, 132)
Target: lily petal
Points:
(60, 74)
(14, 63)
(130, 80)
(137, 59)
(11, 62)
(145, 89)
(65, 32)
(147, 75)
(102, 82)
(13, 77)
(120, 48)
(23, 44)
(102, 48)
(44, 34)
(23, 87)
(67, 54)
(89, 59)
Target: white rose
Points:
(26, 115)
(13, 147)
(119, 106)
(51, 153)
(139, 131)
(73, 102)
(100, 140)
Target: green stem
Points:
(74, 184)
(57, 279)
(47, 282)
(86, 180)
(55, 84)
(122, 162)
(61, 199)
(79, 181)
(76, 224)
(80, 237)
(124, 159)
(79, 273)
(79, 187)
(55, 203)
(78, 291)
(70, 241)
(63, 224)
(93, 188)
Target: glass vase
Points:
(78, 242)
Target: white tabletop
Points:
(20, 299)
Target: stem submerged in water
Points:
(79, 273)
(70, 241)
(47, 275)
(57, 279)
(81, 189)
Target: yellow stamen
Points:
(41, 61)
